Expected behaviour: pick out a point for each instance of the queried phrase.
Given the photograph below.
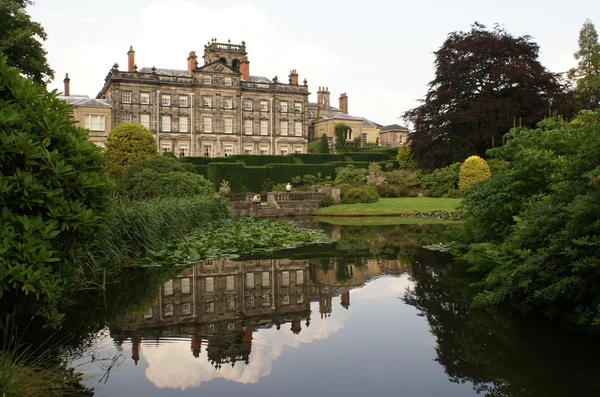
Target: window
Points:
(228, 102)
(230, 283)
(126, 96)
(228, 126)
(95, 122)
(247, 105)
(166, 123)
(283, 150)
(250, 301)
(145, 120)
(348, 134)
(248, 150)
(148, 314)
(183, 124)
(207, 124)
(207, 101)
(266, 300)
(165, 100)
(298, 128)
(185, 285)
(285, 298)
(169, 309)
(249, 280)
(186, 308)
(165, 147)
(284, 127)
(184, 150)
(285, 278)
(210, 284)
(265, 279)
(227, 81)
(297, 148)
(207, 80)
(145, 98)
(297, 106)
(169, 287)
(207, 150)
(264, 106)
(264, 149)
(283, 107)
(248, 127)
(228, 150)
(264, 127)
(299, 277)
(231, 305)
(300, 298)
(183, 101)
(210, 308)
(363, 137)
(126, 117)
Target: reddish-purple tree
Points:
(485, 82)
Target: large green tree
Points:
(21, 41)
(485, 82)
(587, 72)
(127, 144)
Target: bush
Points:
(349, 174)
(405, 158)
(474, 169)
(148, 184)
(310, 158)
(127, 144)
(326, 201)
(340, 137)
(388, 191)
(415, 179)
(324, 144)
(376, 175)
(368, 157)
(313, 147)
(441, 181)
(54, 194)
(284, 173)
(309, 179)
(363, 194)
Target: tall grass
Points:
(136, 226)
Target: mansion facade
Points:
(212, 110)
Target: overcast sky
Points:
(380, 52)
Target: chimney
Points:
(67, 82)
(344, 103)
(323, 98)
(130, 59)
(293, 77)
(245, 68)
(192, 61)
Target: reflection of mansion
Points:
(219, 304)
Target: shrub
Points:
(310, 158)
(283, 173)
(127, 144)
(405, 158)
(363, 194)
(474, 169)
(376, 175)
(415, 179)
(309, 179)
(54, 193)
(388, 191)
(441, 181)
(368, 157)
(324, 144)
(349, 174)
(326, 201)
(148, 184)
(340, 137)
(313, 147)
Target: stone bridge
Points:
(280, 204)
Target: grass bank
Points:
(391, 207)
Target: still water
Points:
(371, 314)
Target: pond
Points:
(371, 314)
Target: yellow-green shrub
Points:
(127, 144)
(473, 170)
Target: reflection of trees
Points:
(502, 354)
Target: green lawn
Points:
(390, 207)
(379, 220)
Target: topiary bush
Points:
(473, 170)
(54, 194)
(127, 144)
(363, 194)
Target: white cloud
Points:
(384, 287)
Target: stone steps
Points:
(265, 211)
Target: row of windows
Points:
(165, 100)
(207, 150)
(209, 282)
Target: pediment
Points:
(229, 139)
(217, 67)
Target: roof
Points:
(166, 72)
(394, 127)
(260, 79)
(315, 105)
(341, 116)
(84, 100)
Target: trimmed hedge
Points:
(208, 160)
(369, 157)
(283, 173)
(356, 164)
(256, 160)
(318, 158)
(201, 169)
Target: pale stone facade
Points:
(394, 136)
(213, 110)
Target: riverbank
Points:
(417, 207)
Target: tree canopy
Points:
(486, 81)
(587, 72)
(20, 41)
(127, 144)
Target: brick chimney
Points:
(130, 59)
(293, 77)
(67, 82)
(245, 68)
(323, 98)
(344, 103)
(192, 61)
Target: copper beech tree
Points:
(486, 81)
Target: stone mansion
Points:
(213, 109)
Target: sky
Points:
(378, 52)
